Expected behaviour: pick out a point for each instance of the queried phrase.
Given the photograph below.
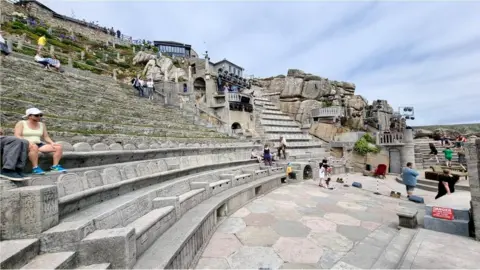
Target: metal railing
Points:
(390, 138)
(327, 112)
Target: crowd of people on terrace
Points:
(451, 147)
(30, 139)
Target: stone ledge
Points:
(97, 158)
(170, 250)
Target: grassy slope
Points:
(462, 128)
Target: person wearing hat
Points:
(33, 130)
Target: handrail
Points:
(390, 138)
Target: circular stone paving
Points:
(342, 219)
(297, 250)
(258, 236)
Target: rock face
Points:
(159, 68)
(142, 57)
(302, 92)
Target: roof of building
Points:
(172, 43)
(226, 61)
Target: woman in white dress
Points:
(322, 172)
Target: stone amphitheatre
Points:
(170, 183)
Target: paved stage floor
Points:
(303, 226)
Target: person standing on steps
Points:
(448, 156)
(282, 148)
(409, 177)
(33, 130)
(433, 151)
(14, 153)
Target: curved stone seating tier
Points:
(179, 245)
(286, 123)
(288, 137)
(82, 187)
(283, 130)
(307, 144)
(146, 213)
(85, 155)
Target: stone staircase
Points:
(422, 158)
(271, 123)
(93, 109)
(384, 248)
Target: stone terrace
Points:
(94, 109)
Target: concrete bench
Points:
(459, 204)
(407, 217)
(151, 225)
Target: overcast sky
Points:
(421, 54)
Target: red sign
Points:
(443, 213)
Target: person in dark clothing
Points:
(267, 156)
(446, 183)
(433, 151)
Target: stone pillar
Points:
(176, 75)
(82, 55)
(207, 65)
(105, 57)
(118, 55)
(52, 49)
(407, 153)
(165, 76)
(10, 45)
(115, 74)
(473, 164)
(70, 62)
(133, 49)
(20, 44)
(189, 73)
(28, 211)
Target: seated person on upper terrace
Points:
(3, 45)
(48, 62)
(33, 130)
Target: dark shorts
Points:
(410, 188)
(432, 152)
(40, 144)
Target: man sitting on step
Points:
(13, 152)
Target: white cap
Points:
(32, 111)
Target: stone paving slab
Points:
(303, 226)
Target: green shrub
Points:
(19, 25)
(121, 47)
(86, 67)
(90, 62)
(40, 31)
(123, 65)
(365, 145)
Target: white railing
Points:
(327, 112)
(389, 138)
(235, 97)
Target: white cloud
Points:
(425, 54)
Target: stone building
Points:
(233, 105)
(176, 49)
(54, 19)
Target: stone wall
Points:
(53, 19)
(473, 159)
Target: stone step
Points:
(10, 119)
(394, 252)
(128, 106)
(85, 111)
(16, 253)
(432, 185)
(367, 252)
(99, 266)
(59, 260)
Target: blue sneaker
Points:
(37, 170)
(57, 168)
